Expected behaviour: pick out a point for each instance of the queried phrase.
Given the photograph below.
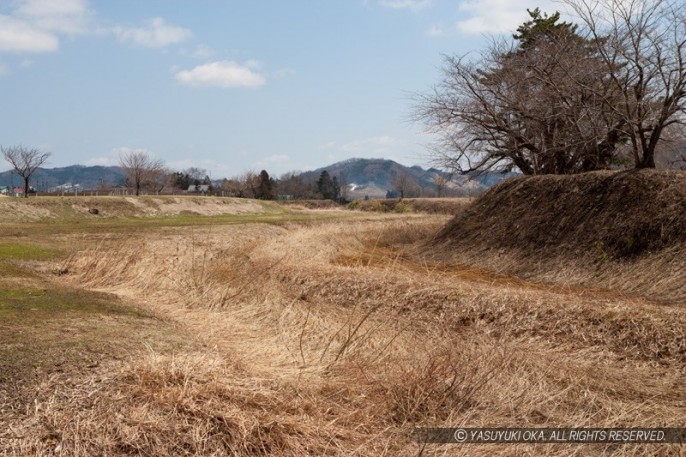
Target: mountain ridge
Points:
(373, 178)
(378, 177)
(85, 176)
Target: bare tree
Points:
(292, 184)
(441, 183)
(233, 187)
(243, 186)
(159, 179)
(140, 169)
(405, 186)
(25, 162)
(520, 105)
(343, 187)
(251, 184)
(642, 44)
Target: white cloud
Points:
(63, 16)
(156, 34)
(414, 5)
(226, 74)
(496, 16)
(35, 26)
(53, 8)
(19, 37)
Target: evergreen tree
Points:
(265, 187)
(325, 186)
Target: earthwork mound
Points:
(618, 214)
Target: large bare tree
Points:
(642, 44)
(140, 169)
(566, 98)
(520, 104)
(25, 162)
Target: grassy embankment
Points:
(320, 333)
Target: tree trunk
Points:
(647, 161)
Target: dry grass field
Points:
(309, 332)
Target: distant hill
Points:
(85, 177)
(375, 177)
(372, 178)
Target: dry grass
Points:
(311, 204)
(621, 231)
(451, 206)
(37, 208)
(339, 338)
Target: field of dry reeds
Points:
(337, 337)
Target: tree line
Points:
(291, 185)
(146, 174)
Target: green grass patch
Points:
(121, 215)
(34, 304)
(26, 251)
(43, 330)
(12, 270)
(61, 226)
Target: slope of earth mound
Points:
(37, 208)
(625, 229)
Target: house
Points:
(4, 190)
(199, 189)
(19, 191)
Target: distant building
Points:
(4, 190)
(199, 189)
(19, 191)
(67, 187)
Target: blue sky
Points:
(231, 86)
